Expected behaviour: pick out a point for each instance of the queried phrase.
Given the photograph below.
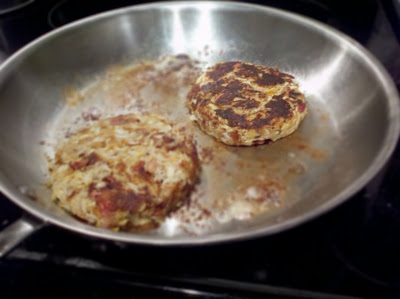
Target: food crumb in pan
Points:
(207, 154)
(193, 218)
(314, 153)
(252, 200)
(199, 216)
(72, 96)
(29, 192)
(92, 113)
(298, 168)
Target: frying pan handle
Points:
(16, 232)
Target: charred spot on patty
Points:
(278, 97)
(248, 71)
(247, 104)
(260, 122)
(113, 197)
(234, 119)
(194, 90)
(221, 69)
(85, 161)
(232, 91)
(268, 79)
(206, 87)
(286, 75)
(225, 98)
(278, 109)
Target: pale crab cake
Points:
(245, 104)
(124, 172)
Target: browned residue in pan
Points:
(72, 96)
(236, 182)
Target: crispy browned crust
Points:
(94, 171)
(243, 101)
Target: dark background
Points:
(352, 250)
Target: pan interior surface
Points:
(349, 133)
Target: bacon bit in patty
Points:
(139, 168)
(70, 196)
(204, 102)
(123, 120)
(113, 197)
(121, 166)
(158, 213)
(234, 135)
(86, 161)
(302, 107)
(112, 183)
(109, 179)
(118, 121)
(167, 139)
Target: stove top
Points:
(351, 251)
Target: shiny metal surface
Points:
(335, 72)
(16, 232)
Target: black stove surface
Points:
(351, 251)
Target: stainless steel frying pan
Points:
(338, 76)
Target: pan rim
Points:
(390, 140)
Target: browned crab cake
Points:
(127, 171)
(244, 104)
